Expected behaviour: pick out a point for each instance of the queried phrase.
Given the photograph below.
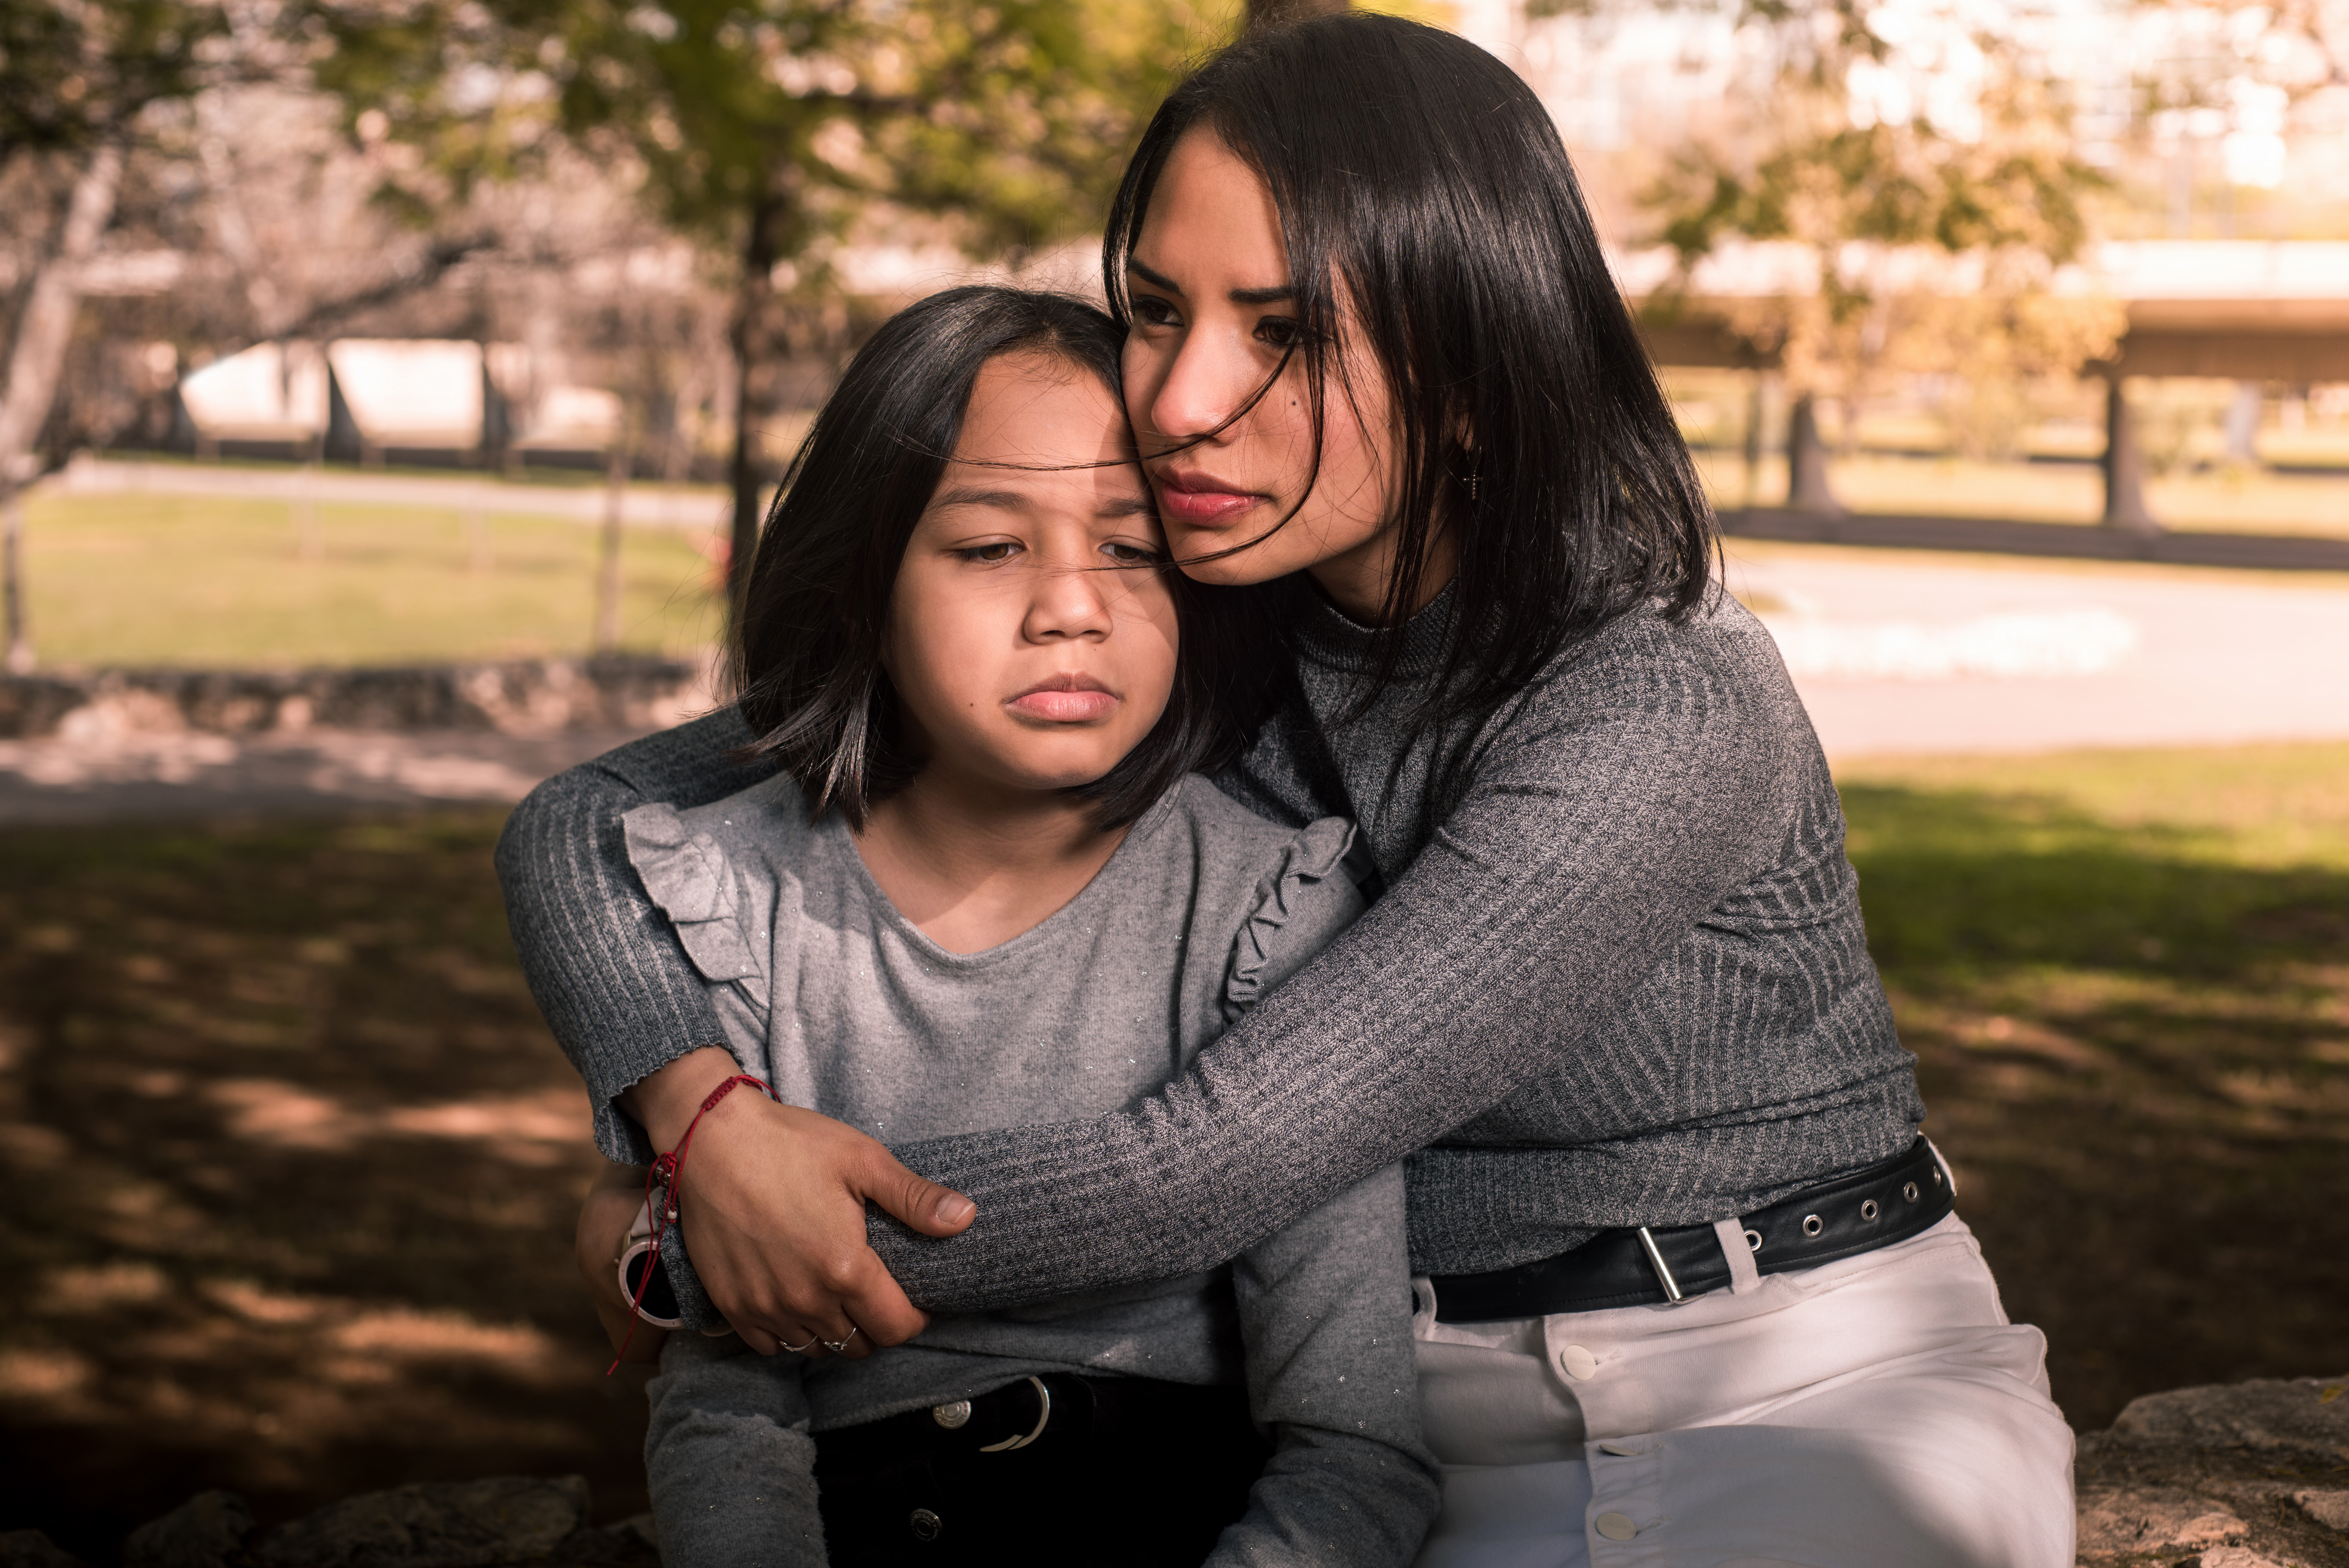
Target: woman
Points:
(1690, 1291)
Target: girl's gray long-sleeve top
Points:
(828, 992)
(1622, 982)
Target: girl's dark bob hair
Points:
(806, 649)
(1421, 183)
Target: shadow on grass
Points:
(293, 1170)
(2136, 1051)
(293, 1163)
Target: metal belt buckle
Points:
(1656, 1261)
(1043, 1419)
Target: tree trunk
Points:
(1264, 13)
(755, 338)
(607, 570)
(2124, 466)
(45, 327)
(44, 330)
(1807, 461)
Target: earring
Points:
(1476, 462)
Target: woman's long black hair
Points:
(805, 650)
(1421, 177)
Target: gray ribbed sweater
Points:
(1624, 981)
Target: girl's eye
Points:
(1151, 311)
(1130, 555)
(1001, 550)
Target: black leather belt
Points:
(1841, 1217)
(1055, 1409)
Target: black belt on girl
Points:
(1059, 1471)
(1643, 1265)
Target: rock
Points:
(31, 1549)
(2329, 1509)
(2236, 1557)
(628, 1544)
(2151, 1518)
(2306, 1417)
(208, 1530)
(436, 1524)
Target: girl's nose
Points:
(1068, 602)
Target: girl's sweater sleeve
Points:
(604, 964)
(1620, 803)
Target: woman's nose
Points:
(1198, 388)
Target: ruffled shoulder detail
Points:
(1315, 894)
(690, 877)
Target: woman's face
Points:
(1031, 635)
(1212, 314)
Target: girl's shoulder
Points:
(695, 861)
(1284, 890)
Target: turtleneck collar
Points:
(1327, 636)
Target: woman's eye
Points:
(1001, 550)
(1281, 332)
(1151, 311)
(1131, 555)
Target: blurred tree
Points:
(1926, 175)
(76, 79)
(767, 129)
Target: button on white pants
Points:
(1874, 1412)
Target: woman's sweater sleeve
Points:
(1622, 802)
(604, 964)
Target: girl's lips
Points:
(1059, 705)
(1200, 502)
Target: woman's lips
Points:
(1201, 500)
(1065, 699)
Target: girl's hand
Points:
(604, 1220)
(774, 1210)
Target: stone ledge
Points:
(2240, 1475)
(519, 697)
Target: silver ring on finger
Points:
(837, 1346)
(813, 1340)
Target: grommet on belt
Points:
(925, 1524)
(1869, 1210)
(1813, 1224)
(1910, 1192)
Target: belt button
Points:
(952, 1416)
(926, 1525)
(1615, 1527)
(1578, 1364)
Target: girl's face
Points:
(1212, 314)
(1033, 637)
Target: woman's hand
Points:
(773, 1206)
(604, 1220)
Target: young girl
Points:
(986, 890)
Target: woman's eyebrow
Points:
(1157, 279)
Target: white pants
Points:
(1878, 1412)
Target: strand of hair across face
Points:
(668, 1173)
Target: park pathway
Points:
(1894, 652)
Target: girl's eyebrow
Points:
(1000, 500)
(1157, 279)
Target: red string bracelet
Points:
(668, 1173)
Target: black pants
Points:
(1125, 1470)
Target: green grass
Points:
(2126, 977)
(2219, 501)
(292, 1161)
(131, 580)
